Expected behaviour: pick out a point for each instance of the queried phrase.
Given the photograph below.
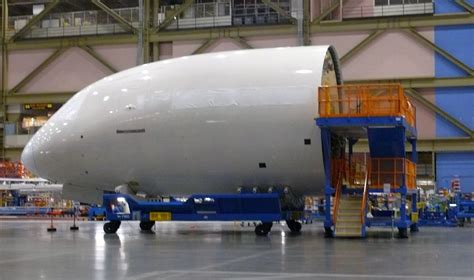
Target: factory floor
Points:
(228, 251)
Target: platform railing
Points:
(382, 171)
(338, 171)
(365, 101)
(391, 171)
(365, 195)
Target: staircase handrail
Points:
(337, 196)
(366, 193)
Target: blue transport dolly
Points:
(264, 207)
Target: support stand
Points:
(74, 227)
(51, 226)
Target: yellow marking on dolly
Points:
(160, 216)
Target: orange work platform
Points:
(382, 171)
(365, 101)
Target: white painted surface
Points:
(208, 121)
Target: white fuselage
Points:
(200, 124)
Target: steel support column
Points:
(465, 5)
(154, 24)
(306, 23)
(49, 7)
(429, 105)
(99, 58)
(439, 50)
(4, 89)
(279, 10)
(361, 45)
(325, 13)
(204, 46)
(38, 69)
(123, 23)
(242, 42)
(169, 19)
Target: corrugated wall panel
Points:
(451, 165)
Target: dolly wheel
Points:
(402, 233)
(328, 233)
(111, 227)
(146, 225)
(294, 226)
(263, 229)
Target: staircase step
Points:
(350, 223)
(349, 213)
(349, 218)
(348, 234)
(347, 226)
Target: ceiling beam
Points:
(415, 21)
(51, 97)
(420, 82)
(455, 144)
(125, 24)
(20, 33)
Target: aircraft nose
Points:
(27, 158)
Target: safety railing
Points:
(383, 171)
(10, 169)
(415, 7)
(365, 101)
(338, 174)
(391, 171)
(365, 195)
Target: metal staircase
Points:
(382, 114)
(348, 217)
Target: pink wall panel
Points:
(273, 41)
(119, 56)
(342, 41)
(166, 50)
(72, 71)
(21, 63)
(425, 118)
(358, 8)
(182, 48)
(392, 55)
(223, 45)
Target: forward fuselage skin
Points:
(200, 124)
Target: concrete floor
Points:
(227, 251)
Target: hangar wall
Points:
(375, 49)
(458, 101)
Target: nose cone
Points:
(27, 157)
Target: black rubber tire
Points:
(402, 233)
(328, 233)
(146, 225)
(263, 229)
(461, 222)
(111, 227)
(294, 226)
